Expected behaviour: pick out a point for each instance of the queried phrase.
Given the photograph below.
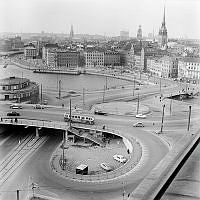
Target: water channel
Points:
(68, 82)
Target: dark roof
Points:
(13, 80)
(51, 45)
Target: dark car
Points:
(100, 112)
(13, 113)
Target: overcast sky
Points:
(106, 17)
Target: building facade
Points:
(47, 47)
(111, 58)
(19, 89)
(94, 58)
(189, 68)
(169, 67)
(30, 52)
(67, 58)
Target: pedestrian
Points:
(128, 151)
(16, 120)
(11, 120)
(104, 127)
(63, 105)
(153, 123)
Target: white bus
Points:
(79, 118)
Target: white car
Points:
(105, 167)
(141, 116)
(138, 124)
(119, 158)
(15, 106)
(38, 106)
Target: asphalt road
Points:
(37, 167)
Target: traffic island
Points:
(96, 163)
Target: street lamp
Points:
(188, 128)
(161, 128)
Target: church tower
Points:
(139, 33)
(71, 34)
(162, 36)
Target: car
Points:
(15, 106)
(38, 106)
(105, 167)
(99, 112)
(13, 113)
(140, 116)
(119, 158)
(138, 124)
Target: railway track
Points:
(18, 156)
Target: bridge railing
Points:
(35, 122)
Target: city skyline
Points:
(101, 17)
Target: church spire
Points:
(71, 34)
(163, 23)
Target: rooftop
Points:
(13, 80)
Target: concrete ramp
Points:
(87, 136)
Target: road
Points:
(37, 167)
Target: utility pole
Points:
(123, 194)
(138, 103)
(188, 128)
(134, 86)
(70, 113)
(17, 194)
(83, 98)
(106, 82)
(63, 148)
(170, 108)
(33, 189)
(59, 89)
(41, 92)
(160, 86)
(104, 93)
(161, 128)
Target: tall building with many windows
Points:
(162, 36)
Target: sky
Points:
(105, 17)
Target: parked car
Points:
(15, 106)
(100, 112)
(138, 124)
(119, 158)
(38, 106)
(105, 167)
(13, 113)
(141, 116)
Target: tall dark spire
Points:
(163, 33)
(163, 23)
(71, 34)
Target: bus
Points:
(79, 118)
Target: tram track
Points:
(18, 156)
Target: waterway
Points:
(68, 82)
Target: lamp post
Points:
(188, 128)
(138, 104)
(161, 128)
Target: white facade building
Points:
(189, 68)
(30, 52)
(94, 58)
